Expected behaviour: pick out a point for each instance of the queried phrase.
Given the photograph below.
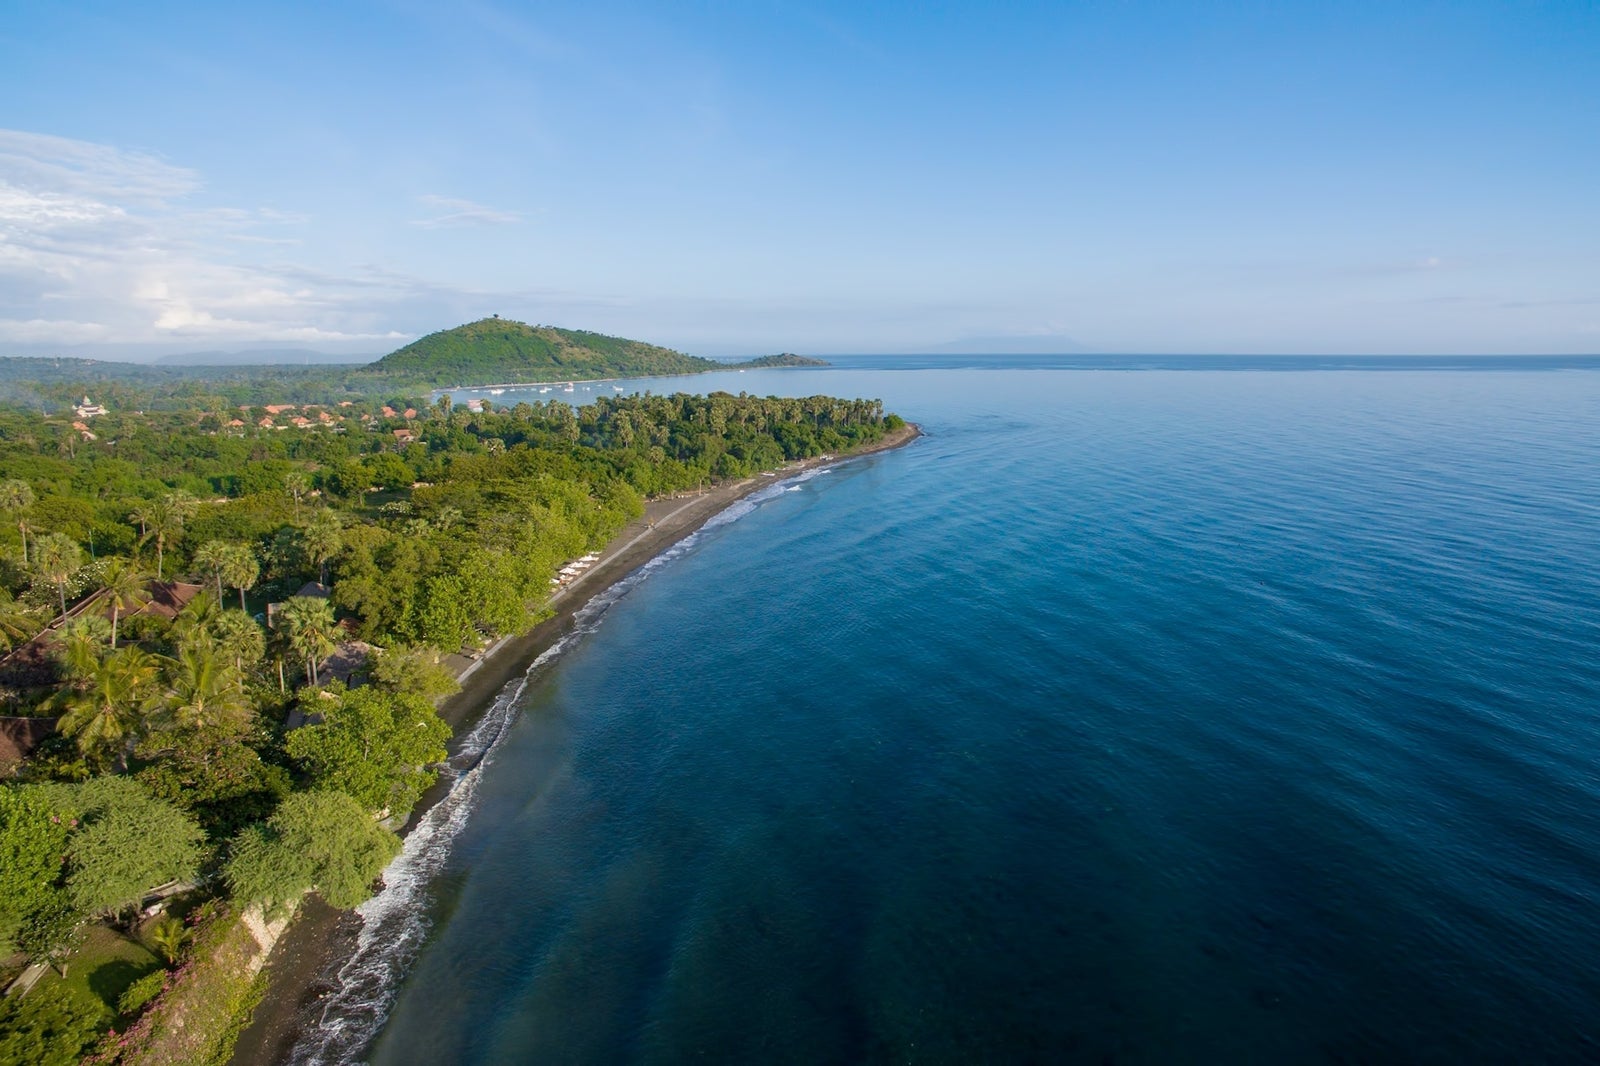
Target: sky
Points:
(742, 178)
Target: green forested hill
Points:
(496, 350)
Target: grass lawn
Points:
(104, 965)
(61, 1018)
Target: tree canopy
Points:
(319, 840)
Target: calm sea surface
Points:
(1219, 716)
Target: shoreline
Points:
(436, 392)
(304, 965)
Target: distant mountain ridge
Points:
(261, 357)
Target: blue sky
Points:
(753, 177)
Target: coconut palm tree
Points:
(56, 557)
(126, 589)
(241, 569)
(104, 715)
(79, 645)
(16, 496)
(309, 630)
(204, 692)
(195, 621)
(18, 621)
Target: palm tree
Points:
(240, 638)
(79, 645)
(16, 496)
(169, 937)
(18, 621)
(297, 484)
(204, 692)
(103, 715)
(323, 538)
(125, 589)
(212, 558)
(309, 628)
(241, 569)
(195, 621)
(56, 557)
(163, 522)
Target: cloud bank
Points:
(102, 245)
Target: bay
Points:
(1213, 715)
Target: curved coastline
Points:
(304, 966)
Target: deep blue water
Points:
(1170, 716)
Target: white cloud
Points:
(100, 245)
(463, 213)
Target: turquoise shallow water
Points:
(1139, 717)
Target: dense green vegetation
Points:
(366, 537)
(501, 349)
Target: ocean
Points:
(1141, 712)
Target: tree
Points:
(240, 568)
(322, 841)
(79, 646)
(296, 484)
(323, 538)
(414, 668)
(308, 629)
(104, 714)
(129, 843)
(168, 937)
(32, 841)
(374, 746)
(239, 638)
(225, 786)
(16, 496)
(125, 588)
(56, 557)
(204, 694)
(163, 522)
(197, 619)
(212, 559)
(18, 621)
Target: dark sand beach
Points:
(304, 966)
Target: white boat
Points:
(568, 388)
(497, 392)
(618, 388)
